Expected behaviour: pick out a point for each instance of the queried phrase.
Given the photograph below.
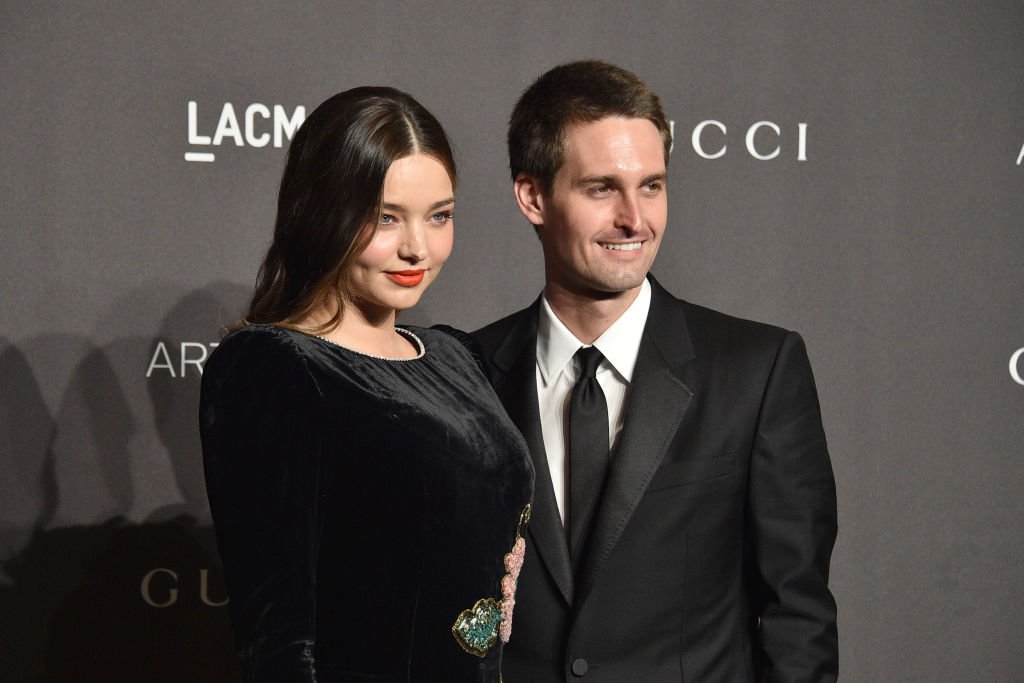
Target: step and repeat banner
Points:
(853, 171)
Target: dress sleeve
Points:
(792, 508)
(263, 434)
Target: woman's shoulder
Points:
(258, 335)
(255, 369)
(436, 338)
(261, 350)
(454, 343)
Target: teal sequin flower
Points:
(476, 629)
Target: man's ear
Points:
(529, 198)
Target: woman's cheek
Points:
(381, 248)
(445, 243)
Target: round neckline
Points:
(401, 330)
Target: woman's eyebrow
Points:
(435, 205)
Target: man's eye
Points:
(600, 189)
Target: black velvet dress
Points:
(369, 512)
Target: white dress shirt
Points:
(557, 372)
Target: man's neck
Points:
(587, 316)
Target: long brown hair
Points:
(329, 201)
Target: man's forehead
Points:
(615, 141)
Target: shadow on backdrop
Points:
(108, 600)
(194, 322)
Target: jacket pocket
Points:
(690, 471)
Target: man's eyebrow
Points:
(436, 205)
(596, 180)
(611, 180)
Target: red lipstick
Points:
(406, 278)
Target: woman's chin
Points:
(408, 300)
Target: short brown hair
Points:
(568, 95)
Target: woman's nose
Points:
(414, 244)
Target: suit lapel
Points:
(516, 386)
(657, 402)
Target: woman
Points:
(367, 490)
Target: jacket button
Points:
(579, 667)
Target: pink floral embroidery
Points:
(514, 559)
(505, 629)
(513, 565)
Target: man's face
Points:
(601, 223)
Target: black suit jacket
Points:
(708, 556)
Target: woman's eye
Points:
(441, 217)
(386, 219)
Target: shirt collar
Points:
(556, 345)
(619, 344)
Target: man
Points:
(685, 512)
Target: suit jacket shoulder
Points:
(713, 332)
(501, 342)
(682, 331)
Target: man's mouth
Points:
(620, 246)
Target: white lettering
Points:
(228, 125)
(1015, 366)
(198, 362)
(250, 125)
(172, 593)
(283, 126)
(801, 153)
(161, 359)
(752, 131)
(695, 139)
(204, 590)
(1020, 157)
(193, 136)
(161, 350)
(255, 132)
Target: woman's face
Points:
(412, 242)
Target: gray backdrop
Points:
(890, 237)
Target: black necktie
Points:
(588, 448)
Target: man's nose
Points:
(627, 215)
